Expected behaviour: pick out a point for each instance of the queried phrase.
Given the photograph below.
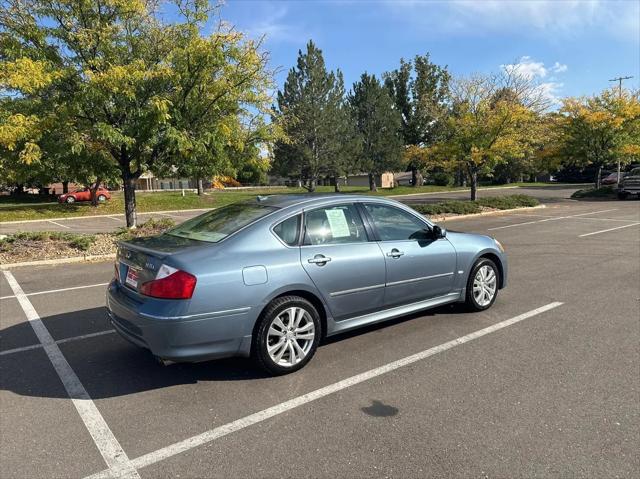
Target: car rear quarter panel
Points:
(248, 270)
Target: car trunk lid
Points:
(139, 260)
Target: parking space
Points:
(550, 391)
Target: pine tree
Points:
(313, 119)
(378, 124)
(420, 91)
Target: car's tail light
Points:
(170, 283)
(116, 273)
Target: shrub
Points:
(442, 179)
(151, 227)
(603, 192)
(453, 207)
(470, 207)
(78, 241)
(508, 202)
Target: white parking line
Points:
(577, 218)
(610, 229)
(551, 218)
(235, 426)
(49, 291)
(117, 461)
(59, 341)
(58, 224)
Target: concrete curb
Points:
(74, 259)
(486, 213)
(104, 257)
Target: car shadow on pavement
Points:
(108, 366)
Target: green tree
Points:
(600, 130)
(378, 124)
(420, 91)
(143, 93)
(311, 114)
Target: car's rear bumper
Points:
(185, 338)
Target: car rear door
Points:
(344, 264)
(418, 266)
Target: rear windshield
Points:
(216, 225)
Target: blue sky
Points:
(573, 47)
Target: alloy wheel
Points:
(290, 336)
(484, 285)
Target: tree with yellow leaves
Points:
(488, 122)
(128, 87)
(600, 130)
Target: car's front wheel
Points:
(102, 198)
(287, 335)
(482, 285)
(70, 199)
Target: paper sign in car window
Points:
(338, 223)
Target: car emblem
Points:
(149, 265)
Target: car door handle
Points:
(395, 253)
(319, 260)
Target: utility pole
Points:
(620, 80)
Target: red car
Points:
(84, 194)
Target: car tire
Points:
(622, 195)
(102, 198)
(277, 333)
(70, 199)
(484, 274)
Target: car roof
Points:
(311, 199)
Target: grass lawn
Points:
(14, 210)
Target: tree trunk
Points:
(414, 176)
(372, 182)
(94, 190)
(598, 174)
(474, 184)
(312, 185)
(129, 181)
(65, 187)
(200, 188)
(337, 184)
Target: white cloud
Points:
(274, 27)
(532, 69)
(527, 67)
(559, 68)
(536, 71)
(546, 17)
(551, 91)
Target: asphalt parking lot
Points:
(545, 383)
(108, 223)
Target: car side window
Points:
(334, 225)
(288, 230)
(394, 224)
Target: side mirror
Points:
(439, 232)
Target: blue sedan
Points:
(269, 278)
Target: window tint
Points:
(394, 224)
(288, 230)
(216, 225)
(334, 225)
